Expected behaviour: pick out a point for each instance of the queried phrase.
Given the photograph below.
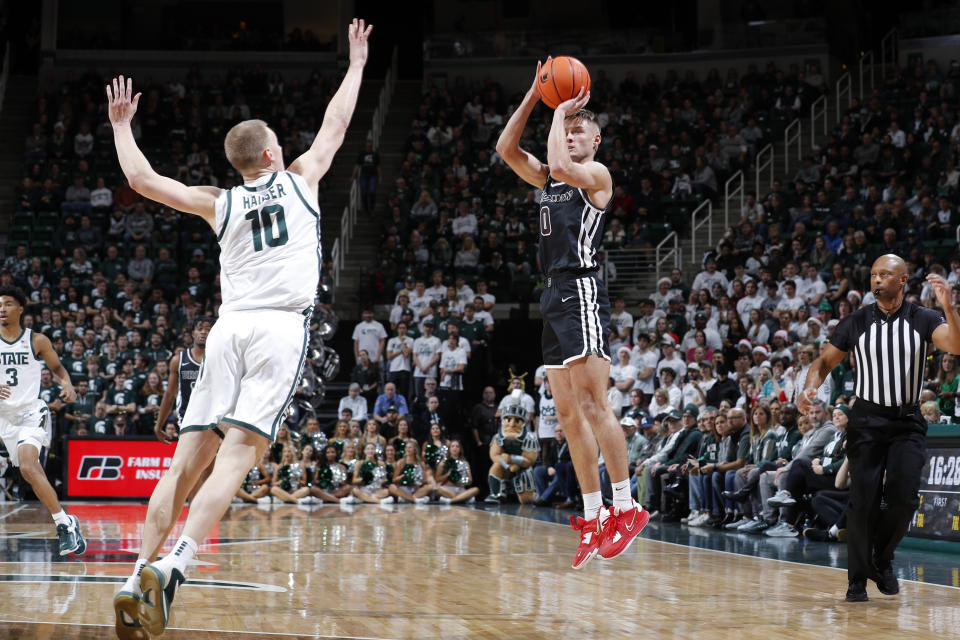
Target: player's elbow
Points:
(561, 170)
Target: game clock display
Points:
(938, 515)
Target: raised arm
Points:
(316, 160)
(946, 337)
(143, 179)
(531, 170)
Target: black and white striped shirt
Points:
(890, 351)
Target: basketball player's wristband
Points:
(505, 465)
(517, 460)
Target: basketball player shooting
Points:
(269, 234)
(577, 191)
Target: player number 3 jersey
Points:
(20, 370)
(269, 235)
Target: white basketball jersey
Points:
(269, 235)
(20, 370)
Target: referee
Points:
(890, 340)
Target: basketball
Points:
(561, 79)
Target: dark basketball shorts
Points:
(576, 318)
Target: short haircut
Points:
(585, 114)
(14, 292)
(245, 142)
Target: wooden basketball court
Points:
(438, 572)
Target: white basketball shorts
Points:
(250, 371)
(28, 424)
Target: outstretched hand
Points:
(575, 103)
(357, 35)
(121, 107)
(535, 87)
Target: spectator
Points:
(399, 356)
(426, 355)
(389, 398)
(366, 373)
(138, 225)
(370, 336)
(555, 476)
(367, 172)
(355, 402)
(453, 364)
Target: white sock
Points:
(133, 582)
(833, 530)
(61, 517)
(622, 499)
(183, 552)
(592, 503)
(138, 568)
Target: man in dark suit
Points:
(555, 476)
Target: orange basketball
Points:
(561, 79)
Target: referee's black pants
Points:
(886, 452)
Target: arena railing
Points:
(763, 162)
(865, 68)
(705, 219)
(354, 201)
(668, 248)
(889, 52)
(844, 88)
(791, 137)
(728, 194)
(818, 111)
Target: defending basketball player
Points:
(577, 191)
(25, 422)
(269, 234)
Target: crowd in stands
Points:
(705, 369)
(116, 281)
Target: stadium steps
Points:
(327, 411)
(337, 180)
(15, 121)
(403, 106)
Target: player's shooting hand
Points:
(805, 400)
(68, 394)
(357, 34)
(941, 289)
(4, 391)
(575, 103)
(121, 107)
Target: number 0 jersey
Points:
(20, 370)
(571, 228)
(269, 235)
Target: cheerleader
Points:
(283, 440)
(412, 481)
(330, 480)
(390, 460)
(435, 449)
(369, 476)
(399, 443)
(454, 477)
(289, 481)
(349, 457)
(340, 436)
(257, 483)
(371, 435)
(308, 462)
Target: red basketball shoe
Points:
(591, 536)
(622, 528)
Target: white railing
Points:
(335, 259)
(705, 219)
(763, 162)
(355, 200)
(889, 52)
(844, 83)
(818, 111)
(958, 234)
(668, 248)
(728, 194)
(791, 136)
(865, 60)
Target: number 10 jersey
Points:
(269, 235)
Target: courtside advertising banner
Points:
(116, 468)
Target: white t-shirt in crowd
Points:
(358, 405)
(451, 358)
(641, 361)
(547, 422)
(620, 323)
(423, 350)
(368, 336)
(436, 293)
(622, 373)
(399, 362)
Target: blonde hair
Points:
(245, 142)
